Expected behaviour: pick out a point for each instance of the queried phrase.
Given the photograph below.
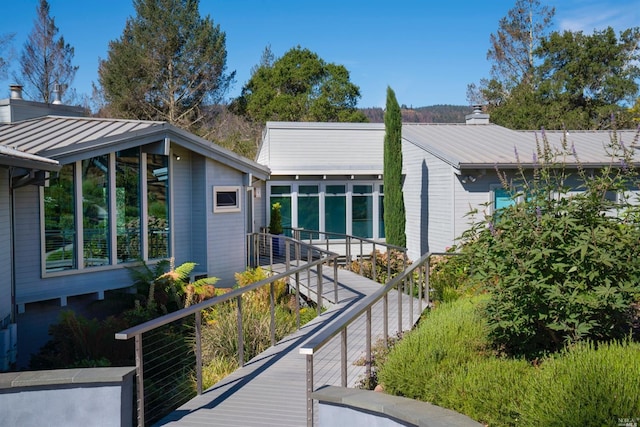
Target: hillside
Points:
(430, 114)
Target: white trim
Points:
(227, 189)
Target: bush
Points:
(396, 258)
(449, 278)
(586, 385)
(560, 266)
(421, 365)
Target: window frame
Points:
(237, 207)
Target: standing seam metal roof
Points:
(58, 137)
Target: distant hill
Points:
(430, 114)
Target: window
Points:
(60, 221)
(107, 210)
(157, 206)
(381, 234)
(335, 210)
(226, 199)
(95, 211)
(282, 194)
(128, 205)
(362, 211)
(308, 207)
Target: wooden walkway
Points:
(270, 390)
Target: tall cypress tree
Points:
(394, 214)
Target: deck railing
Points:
(169, 374)
(412, 281)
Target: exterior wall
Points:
(5, 248)
(225, 232)
(189, 209)
(260, 205)
(415, 193)
(437, 205)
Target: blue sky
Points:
(427, 51)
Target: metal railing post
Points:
(335, 282)
(272, 310)
(374, 263)
(309, 390)
(139, 379)
(385, 319)
(319, 289)
(343, 357)
(400, 290)
(240, 333)
(199, 352)
(368, 346)
(298, 300)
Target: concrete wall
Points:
(68, 397)
(340, 406)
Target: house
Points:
(82, 199)
(328, 176)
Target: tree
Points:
(168, 63)
(299, 86)
(45, 61)
(582, 82)
(5, 41)
(511, 51)
(394, 213)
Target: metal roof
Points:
(12, 157)
(486, 146)
(72, 138)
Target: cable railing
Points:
(168, 349)
(414, 280)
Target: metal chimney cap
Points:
(16, 91)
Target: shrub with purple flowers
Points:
(561, 266)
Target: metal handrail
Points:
(322, 257)
(312, 346)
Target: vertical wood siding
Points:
(225, 231)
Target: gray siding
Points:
(225, 231)
(260, 206)
(415, 194)
(5, 246)
(440, 207)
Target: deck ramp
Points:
(270, 390)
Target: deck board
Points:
(270, 390)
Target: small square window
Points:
(226, 199)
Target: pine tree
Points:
(394, 213)
(168, 64)
(45, 62)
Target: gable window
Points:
(106, 210)
(226, 199)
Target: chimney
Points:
(56, 94)
(16, 91)
(477, 117)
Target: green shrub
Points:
(585, 385)
(449, 278)
(560, 266)
(420, 366)
(393, 261)
(489, 390)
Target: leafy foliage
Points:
(394, 211)
(167, 64)
(299, 86)
(275, 223)
(560, 267)
(388, 265)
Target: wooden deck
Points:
(270, 390)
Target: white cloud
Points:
(590, 16)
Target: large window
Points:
(308, 207)
(282, 194)
(158, 206)
(128, 204)
(362, 211)
(381, 212)
(59, 221)
(95, 211)
(335, 210)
